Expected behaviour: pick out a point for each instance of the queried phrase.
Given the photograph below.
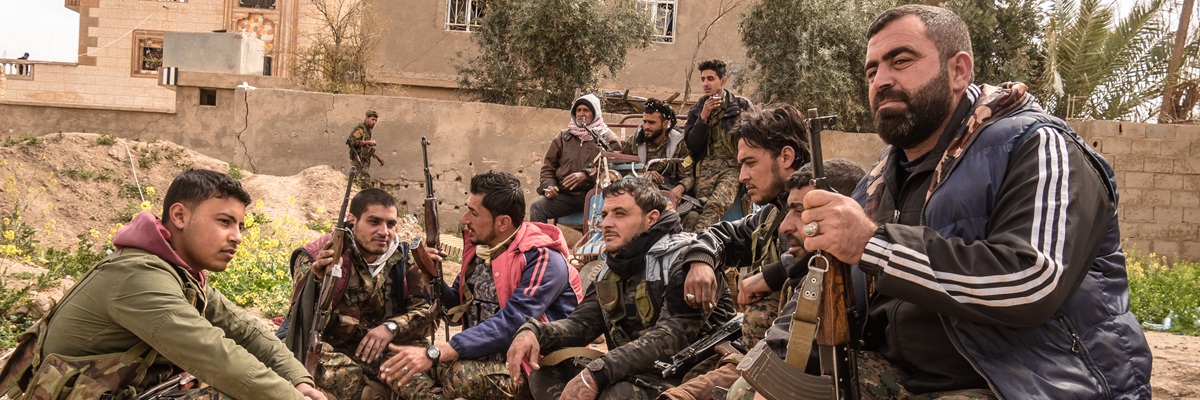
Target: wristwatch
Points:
(391, 326)
(433, 353)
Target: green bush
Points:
(106, 140)
(1159, 288)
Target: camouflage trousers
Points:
(879, 379)
(716, 188)
(468, 379)
(759, 317)
(343, 378)
(362, 175)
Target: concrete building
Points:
(425, 37)
(121, 51)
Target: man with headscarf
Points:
(567, 172)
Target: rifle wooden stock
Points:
(834, 328)
(726, 348)
(376, 156)
(329, 283)
(437, 283)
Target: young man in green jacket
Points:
(154, 290)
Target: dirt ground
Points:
(73, 183)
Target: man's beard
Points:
(777, 180)
(650, 136)
(926, 110)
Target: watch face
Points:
(391, 326)
(433, 353)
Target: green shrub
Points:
(235, 171)
(106, 140)
(1159, 288)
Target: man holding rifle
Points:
(988, 232)
(842, 175)
(362, 148)
(513, 271)
(637, 303)
(771, 145)
(378, 299)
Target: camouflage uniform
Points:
(716, 167)
(879, 379)
(361, 154)
(484, 378)
(393, 294)
(638, 306)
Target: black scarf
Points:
(631, 259)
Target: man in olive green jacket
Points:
(154, 290)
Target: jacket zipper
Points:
(958, 348)
(1079, 349)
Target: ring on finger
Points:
(690, 297)
(810, 229)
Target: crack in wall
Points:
(238, 136)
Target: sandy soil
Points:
(70, 184)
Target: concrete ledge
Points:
(87, 106)
(229, 81)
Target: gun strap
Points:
(558, 356)
(804, 321)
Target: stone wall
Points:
(1158, 174)
(281, 132)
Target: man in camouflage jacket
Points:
(362, 148)
(377, 302)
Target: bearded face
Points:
(926, 108)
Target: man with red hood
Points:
(513, 271)
(149, 309)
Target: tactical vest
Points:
(610, 292)
(29, 375)
(647, 296)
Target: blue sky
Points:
(50, 32)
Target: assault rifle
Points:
(433, 269)
(824, 305)
(329, 283)
(701, 348)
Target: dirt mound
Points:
(71, 183)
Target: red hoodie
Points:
(147, 233)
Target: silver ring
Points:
(810, 230)
(690, 297)
(404, 370)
